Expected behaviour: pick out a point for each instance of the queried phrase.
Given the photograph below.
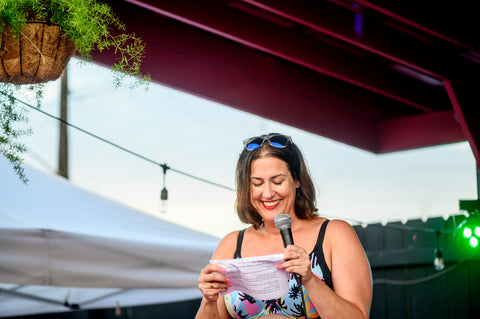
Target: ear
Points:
(297, 184)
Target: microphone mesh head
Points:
(283, 221)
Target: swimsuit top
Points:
(241, 305)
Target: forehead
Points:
(268, 166)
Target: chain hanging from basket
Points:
(38, 54)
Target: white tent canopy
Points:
(63, 246)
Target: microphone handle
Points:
(287, 236)
(288, 240)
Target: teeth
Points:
(270, 204)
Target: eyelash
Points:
(260, 184)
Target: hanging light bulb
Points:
(164, 192)
(438, 262)
(164, 200)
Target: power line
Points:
(166, 167)
(408, 282)
(120, 147)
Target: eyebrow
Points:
(273, 177)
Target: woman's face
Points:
(272, 188)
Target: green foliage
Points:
(91, 26)
(12, 115)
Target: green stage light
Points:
(473, 241)
(472, 236)
(467, 232)
(477, 231)
(470, 227)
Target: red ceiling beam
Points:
(248, 80)
(201, 63)
(388, 8)
(465, 103)
(410, 132)
(375, 36)
(218, 18)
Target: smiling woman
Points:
(335, 279)
(272, 187)
(284, 150)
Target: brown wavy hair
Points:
(305, 198)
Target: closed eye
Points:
(256, 182)
(278, 181)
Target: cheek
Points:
(254, 194)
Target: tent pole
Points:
(36, 298)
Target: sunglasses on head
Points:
(275, 140)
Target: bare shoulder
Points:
(226, 247)
(341, 234)
(339, 227)
(348, 263)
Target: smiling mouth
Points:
(271, 204)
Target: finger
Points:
(295, 254)
(213, 268)
(212, 290)
(213, 277)
(217, 284)
(300, 266)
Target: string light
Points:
(164, 192)
(116, 145)
(438, 262)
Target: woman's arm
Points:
(212, 282)
(351, 276)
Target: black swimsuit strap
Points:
(327, 275)
(321, 234)
(239, 244)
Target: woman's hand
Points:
(297, 261)
(212, 282)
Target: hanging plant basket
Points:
(37, 40)
(38, 54)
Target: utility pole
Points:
(63, 143)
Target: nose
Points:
(269, 191)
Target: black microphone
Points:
(283, 223)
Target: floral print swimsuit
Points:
(243, 306)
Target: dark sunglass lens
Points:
(253, 143)
(279, 141)
(252, 146)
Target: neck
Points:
(269, 227)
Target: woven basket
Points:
(39, 54)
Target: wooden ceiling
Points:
(382, 76)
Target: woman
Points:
(272, 179)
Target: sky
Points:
(204, 139)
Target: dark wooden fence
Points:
(406, 284)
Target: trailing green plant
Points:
(13, 119)
(91, 26)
